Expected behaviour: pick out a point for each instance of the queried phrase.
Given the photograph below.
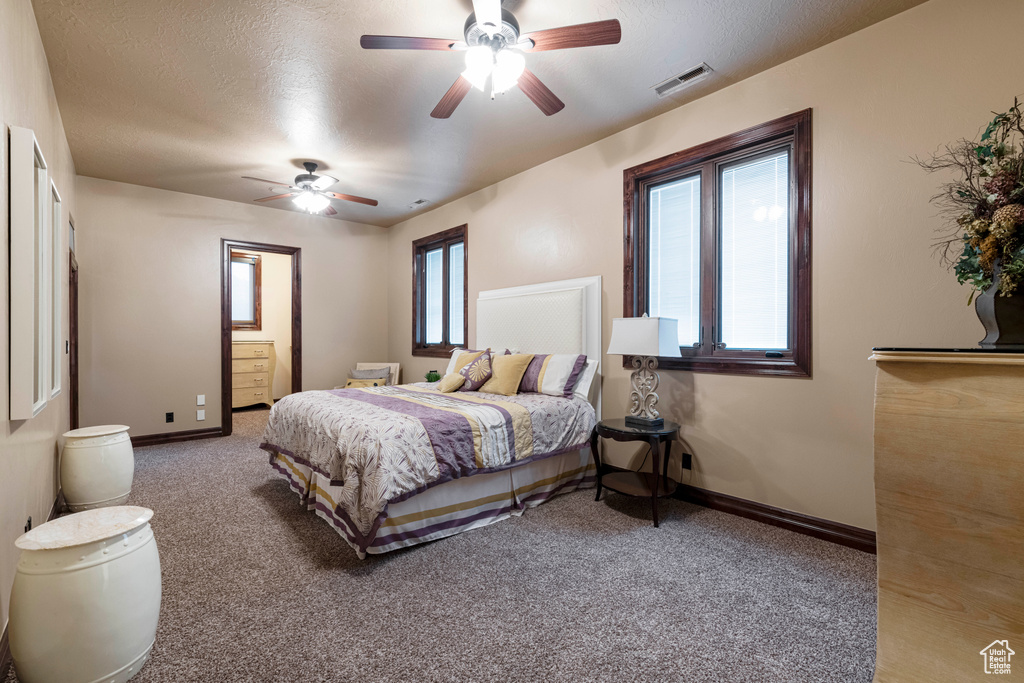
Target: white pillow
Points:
(582, 388)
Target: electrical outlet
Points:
(28, 525)
(200, 415)
(169, 417)
(201, 400)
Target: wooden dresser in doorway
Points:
(949, 497)
(252, 373)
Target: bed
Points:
(391, 467)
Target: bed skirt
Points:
(449, 508)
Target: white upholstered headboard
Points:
(550, 317)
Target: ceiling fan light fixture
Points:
(312, 202)
(479, 64)
(508, 67)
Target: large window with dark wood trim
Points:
(719, 237)
(439, 292)
(246, 291)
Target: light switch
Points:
(200, 415)
(201, 400)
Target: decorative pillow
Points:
(477, 373)
(375, 373)
(354, 383)
(450, 383)
(506, 373)
(461, 358)
(582, 388)
(554, 374)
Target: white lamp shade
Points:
(645, 337)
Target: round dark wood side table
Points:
(655, 484)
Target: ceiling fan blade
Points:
(579, 35)
(262, 180)
(276, 196)
(540, 94)
(451, 99)
(352, 198)
(329, 211)
(488, 15)
(404, 43)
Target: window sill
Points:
(767, 367)
(434, 351)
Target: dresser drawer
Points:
(243, 380)
(252, 350)
(248, 396)
(250, 365)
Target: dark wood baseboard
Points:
(175, 437)
(5, 643)
(835, 532)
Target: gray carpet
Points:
(258, 589)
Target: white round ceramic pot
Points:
(96, 467)
(86, 597)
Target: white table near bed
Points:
(561, 317)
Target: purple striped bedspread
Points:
(384, 444)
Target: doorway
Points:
(73, 338)
(227, 247)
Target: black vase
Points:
(1002, 316)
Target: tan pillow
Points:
(507, 372)
(450, 383)
(354, 383)
(465, 359)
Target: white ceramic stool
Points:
(86, 597)
(96, 467)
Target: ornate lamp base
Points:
(643, 411)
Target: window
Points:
(56, 289)
(246, 304)
(718, 237)
(439, 292)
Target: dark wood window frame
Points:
(257, 324)
(420, 247)
(792, 132)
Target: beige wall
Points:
(276, 317)
(28, 449)
(150, 299)
(897, 89)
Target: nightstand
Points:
(655, 484)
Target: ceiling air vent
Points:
(683, 80)
(418, 204)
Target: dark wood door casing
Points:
(225, 318)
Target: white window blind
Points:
(674, 255)
(755, 253)
(456, 295)
(434, 299)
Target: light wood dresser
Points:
(252, 373)
(949, 496)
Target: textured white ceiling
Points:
(189, 95)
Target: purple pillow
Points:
(477, 373)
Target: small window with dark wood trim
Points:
(719, 237)
(246, 304)
(439, 292)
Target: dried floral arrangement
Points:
(985, 204)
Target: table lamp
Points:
(645, 339)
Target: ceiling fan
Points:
(309, 191)
(494, 47)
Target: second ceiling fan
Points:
(494, 50)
